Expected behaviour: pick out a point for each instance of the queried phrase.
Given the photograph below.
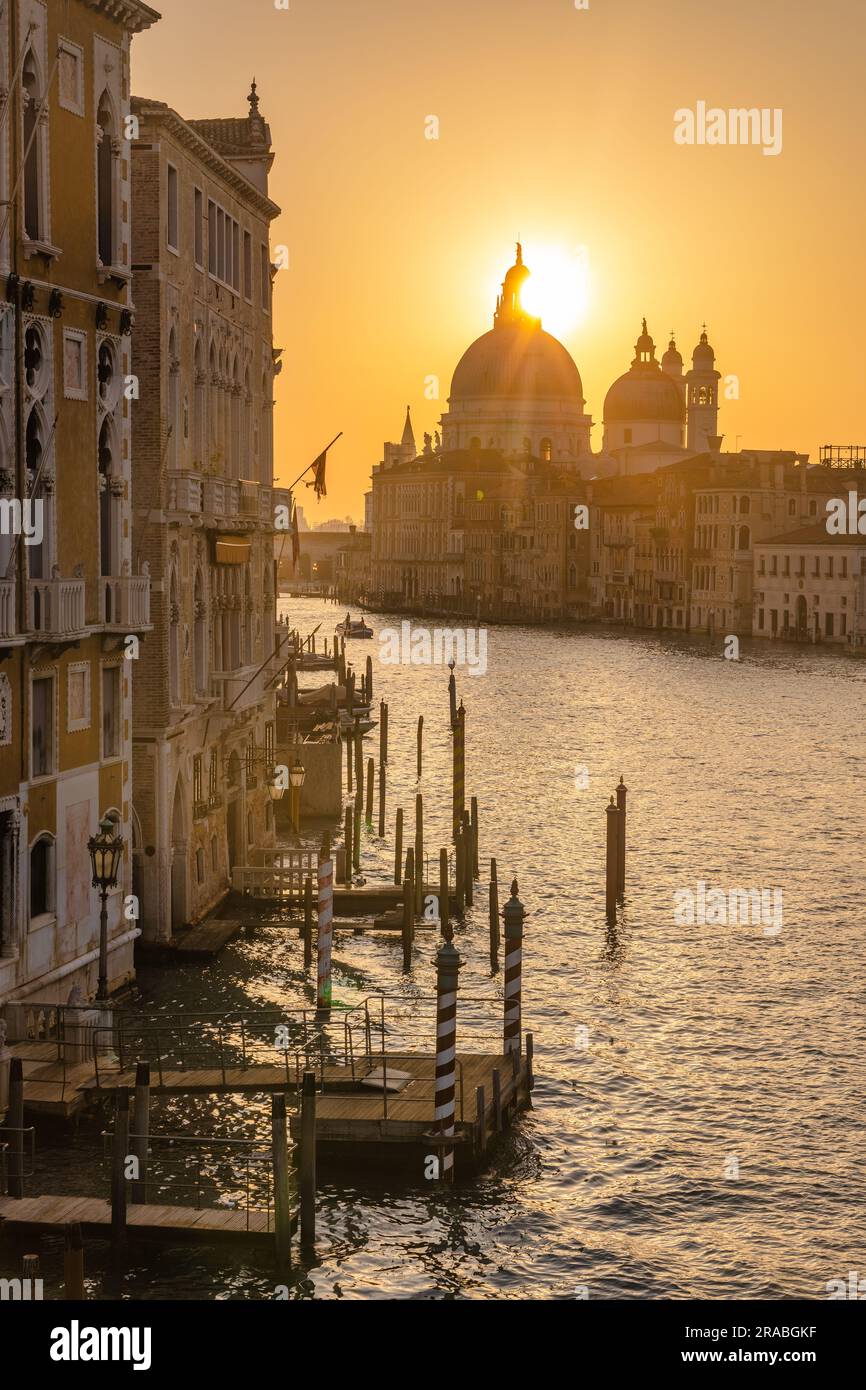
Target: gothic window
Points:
(110, 506)
(198, 408)
(107, 179)
(174, 642)
(200, 636)
(173, 400)
(33, 152)
(745, 539)
(35, 440)
(236, 469)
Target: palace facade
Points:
(204, 721)
(74, 600)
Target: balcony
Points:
(55, 609)
(8, 621)
(124, 603)
(245, 688)
(185, 493)
(248, 499)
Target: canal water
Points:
(697, 1122)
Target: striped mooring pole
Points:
(325, 934)
(448, 964)
(513, 916)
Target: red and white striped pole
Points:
(513, 915)
(448, 963)
(325, 932)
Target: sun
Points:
(557, 290)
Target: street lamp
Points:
(297, 775)
(105, 849)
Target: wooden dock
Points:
(50, 1214)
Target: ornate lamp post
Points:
(105, 849)
(297, 776)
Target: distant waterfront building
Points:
(73, 604)
(204, 732)
(811, 586)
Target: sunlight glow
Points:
(557, 291)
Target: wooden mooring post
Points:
(381, 801)
(612, 863)
(347, 739)
(621, 799)
(369, 683)
(468, 860)
(383, 733)
(369, 807)
(15, 1123)
(356, 837)
(308, 919)
(398, 847)
(476, 868)
(141, 1131)
(348, 840)
(408, 919)
(325, 936)
(73, 1264)
(420, 746)
(119, 1153)
(452, 696)
(280, 1157)
(494, 917)
(444, 904)
(307, 1162)
(459, 770)
(419, 854)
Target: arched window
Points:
(247, 618)
(265, 433)
(246, 430)
(34, 205)
(198, 408)
(237, 462)
(106, 180)
(42, 888)
(200, 636)
(35, 434)
(213, 370)
(546, 450)
(110, 507)
(173, 421)
(174, 642)
(745, 506)
(745, 538)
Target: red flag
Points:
(318, 481)
(296, 539)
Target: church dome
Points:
(644, 392)
(672, 362)
(641, 396)
(703, 357)
(517, 360)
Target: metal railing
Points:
(203, 1172)
(14, 1143)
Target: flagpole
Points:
(318, 456)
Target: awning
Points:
(231, 550)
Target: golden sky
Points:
(555, 124)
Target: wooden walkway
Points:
(352, 1113)
(51, 1213)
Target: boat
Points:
(348, 628)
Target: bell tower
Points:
(702, 396)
